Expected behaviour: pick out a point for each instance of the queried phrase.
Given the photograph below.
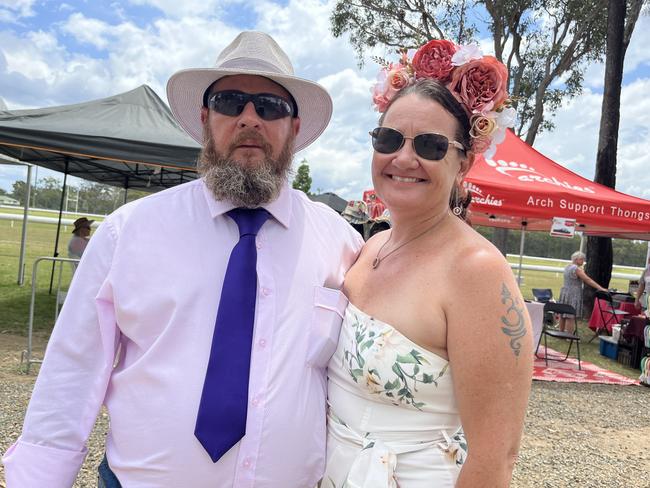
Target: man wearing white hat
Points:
(203, 317)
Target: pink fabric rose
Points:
(433, 60)
(391, 81)
(398, 77)
(480, 85)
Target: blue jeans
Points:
(107, 478)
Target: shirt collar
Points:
(280, 208)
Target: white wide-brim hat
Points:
(251, 53)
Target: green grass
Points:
(14, 299)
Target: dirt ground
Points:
(576, 435)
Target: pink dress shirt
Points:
(135, 335)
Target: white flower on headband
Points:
(465, 54)
(507, 117)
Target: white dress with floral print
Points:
(392, 419)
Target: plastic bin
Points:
(608, 347)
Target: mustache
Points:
(247, 136)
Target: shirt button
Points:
(258, 245)
(266, 292)
(247, 463)
(256, 401)
(262, 343)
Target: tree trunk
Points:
(599, 249)
(599, 268)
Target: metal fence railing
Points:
(26, 356)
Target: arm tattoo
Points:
(515, 325)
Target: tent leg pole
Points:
(521, 252)
(23, 238)
(58, 227)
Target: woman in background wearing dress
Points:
(571, 291)
(436, 335)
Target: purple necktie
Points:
(221, 421)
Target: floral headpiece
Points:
(478, 82)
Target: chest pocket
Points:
(326, 318)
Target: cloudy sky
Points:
(55, 53)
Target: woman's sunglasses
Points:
(267, 106)
(429, 146)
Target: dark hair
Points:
(437, 92)
(434, 90)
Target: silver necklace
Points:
(377, 261)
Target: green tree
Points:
(19, 190)
(302, 181)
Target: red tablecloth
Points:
(596, 321)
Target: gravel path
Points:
(576, 435)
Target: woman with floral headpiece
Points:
(430, 381)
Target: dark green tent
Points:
(130, 140)
(332, 200)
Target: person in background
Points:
(641, 300)
(571, 291)
(430, 381)
(80, 237)
(203, 317)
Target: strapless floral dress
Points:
(392, 415)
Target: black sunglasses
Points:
(429, 146)
(267, 106)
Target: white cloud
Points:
(85, 30)
(11, 11)
(184, 8)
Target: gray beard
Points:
(247, 186)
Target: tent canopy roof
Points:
(332, 200)
(129, 140)
(522, 185)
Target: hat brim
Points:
(185, 95)
(86, 223)
(354, 220)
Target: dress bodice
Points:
(392, 410)
(571, 278)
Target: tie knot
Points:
(249, 220)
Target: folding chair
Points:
(608, 314)
(570, 336)
(542, 295)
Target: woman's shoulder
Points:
(473, 257)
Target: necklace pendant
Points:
(375, 262)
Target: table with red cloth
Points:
(596, 320)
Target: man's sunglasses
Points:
(429, 146)
(267, 106)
